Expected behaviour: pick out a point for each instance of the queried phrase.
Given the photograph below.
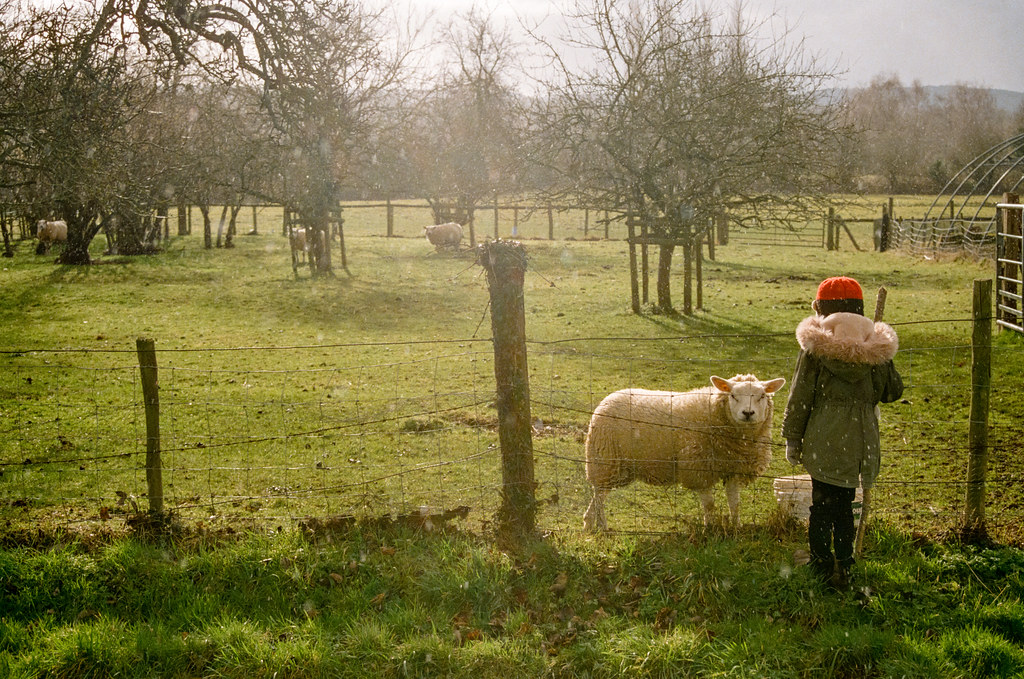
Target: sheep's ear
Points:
(721, 384)
(772, 386)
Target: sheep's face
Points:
(749, 400)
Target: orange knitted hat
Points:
(840, 287)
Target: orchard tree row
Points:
(112, 112)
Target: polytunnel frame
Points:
(1008, 148)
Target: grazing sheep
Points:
(49, 233)
(444, 235)
(297, 239)
(694, 438)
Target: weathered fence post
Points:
(391, 217)
(883, 240)
(505, 263)
(981, 380)
(551, 223)
(645, 265)
(496, 234)
(698, 268)
(687, 270)
(830, 233)
(146, 350)
(634, 284)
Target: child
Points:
(831, 423)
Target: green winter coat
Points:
(845, 368)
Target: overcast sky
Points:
(936, 42)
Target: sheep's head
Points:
(750, 400)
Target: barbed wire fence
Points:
(410, 432)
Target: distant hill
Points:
(1006, 100)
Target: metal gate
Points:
(1009, 267)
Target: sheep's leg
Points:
(732, 494)
(707, 502)
(594, 519)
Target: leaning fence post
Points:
(981, 380)
(505, 262)
(146, 350)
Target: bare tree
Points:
(914, 139)
(84, 94)
(680, 119)
(464, 136)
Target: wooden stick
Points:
(865, 503)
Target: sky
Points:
(934, 42)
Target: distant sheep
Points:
(49, 233)
(297, 240)
(444, 235)
(694, 438)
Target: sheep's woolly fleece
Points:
(689, 438)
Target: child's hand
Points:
(794, 452)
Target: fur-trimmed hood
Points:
(848, 337)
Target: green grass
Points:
(392, 602)
(371, 393)
(288, 402)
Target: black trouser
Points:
(831, 524)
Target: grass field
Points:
(285, 397)
(288, 402)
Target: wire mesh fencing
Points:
(409, 431)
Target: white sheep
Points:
(694, 438)
(444, 235)
(297, 240)
(50, 232)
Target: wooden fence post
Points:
(146, 350)
(551, 223)
(391, 217)
(505, 263)
(981, 380)
(883, 240)
(634, 285)
(698, 264)
(496, 235)
(830, 238)
(687, 270)
(645, 265)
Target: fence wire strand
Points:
(390, 437)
